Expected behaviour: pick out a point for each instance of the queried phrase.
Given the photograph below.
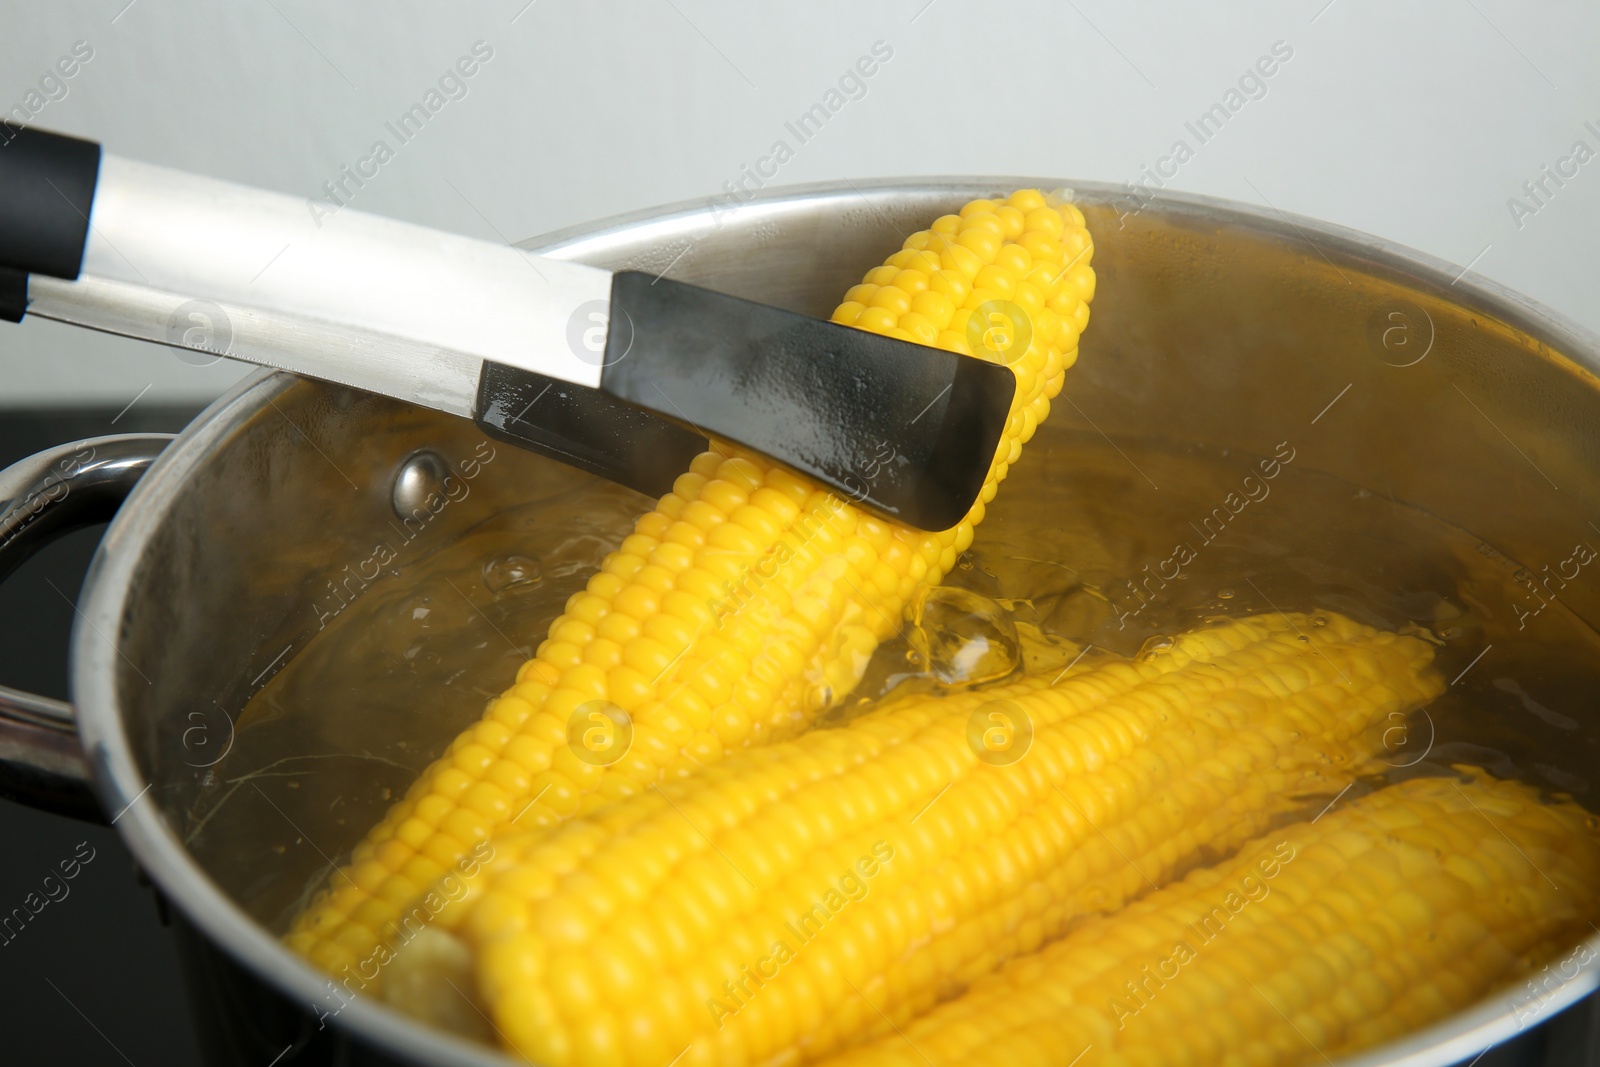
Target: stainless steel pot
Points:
(1217, 327)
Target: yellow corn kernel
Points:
(790, 900)
(1293, 951)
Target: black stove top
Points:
(88, 974)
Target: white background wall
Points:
(1415, 121)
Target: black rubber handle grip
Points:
(47, 184)
(905, 430)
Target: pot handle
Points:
(42, 498)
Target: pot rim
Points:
(162, 855)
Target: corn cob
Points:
(743, 605)
(784, 902)
(1317, 939)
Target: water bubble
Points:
(431, 612)
(1154, 646)
(1450, 633)
(508, 571)
(1225, 594)
(964, 638)
(1319, 620)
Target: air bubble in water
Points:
(1225, 594)
(508, 571)
(1155, 646)
(964, 638)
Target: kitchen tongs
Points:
(623, 374)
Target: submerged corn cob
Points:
(1317, 939)
(744, 604)
(787, 901)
